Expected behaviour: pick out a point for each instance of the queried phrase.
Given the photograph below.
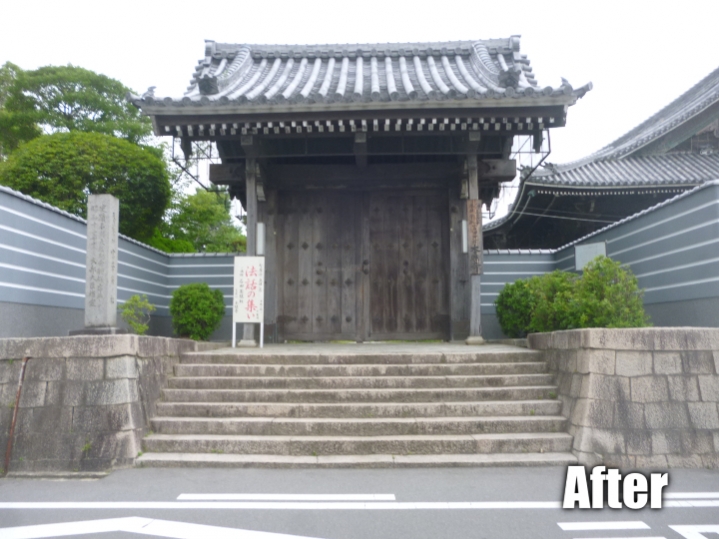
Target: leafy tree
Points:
(67, 98)
(12, 132)
(200, 222)
(62, 169)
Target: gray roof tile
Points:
(247, 75)
(682, 168)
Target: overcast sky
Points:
(640, 55)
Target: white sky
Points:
(639, 54)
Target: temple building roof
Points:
(254, 78)
(674, 150)
(684, 117)
(682, 168)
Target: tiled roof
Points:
(247, 75)
(698, 98)
(647, 171)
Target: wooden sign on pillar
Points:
(474, 236)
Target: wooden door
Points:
(363, 266)
(320, 272)
(409, 285)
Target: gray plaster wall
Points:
(42, 272)
(672, 248)
(638, 398)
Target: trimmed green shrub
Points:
(605, 295)
(196, 311)
(552, 294)
(136, 313)
(608, 296)
(514, 308)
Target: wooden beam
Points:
(251, 189)
(472, 177)
(227, 174)
(474, 237)
(497, 170)
(339, 175)
(360, 149)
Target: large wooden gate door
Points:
(321, 283)
(363, 266)
(409, 264)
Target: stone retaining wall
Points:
(645, 398)
(86, 401)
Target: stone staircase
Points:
(359, 406)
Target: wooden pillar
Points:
(248, 331)
(475, 248)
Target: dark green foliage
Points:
(196, 311)
(606, 295)
(200, 222)
(136, 313)
(514, 308)
(12, 132)
(551, 296)
(55, 99)
(61, 169)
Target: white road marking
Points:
(608, 525)
(691, 503)
(691, 495)
(314, 506)
(343, 506)
(292, 497)
(635, 537)
(145, 526)
(695, 531)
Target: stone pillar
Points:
(103, 214)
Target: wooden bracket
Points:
(360, 149)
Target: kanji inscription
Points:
(101, 261)
(474, 236)
(249, 292)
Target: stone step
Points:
(213, 460)
(359, 445)
(395, 426)
(358, 382)
(360, 395)
(358, 409)
(267, 357)
(428, 369)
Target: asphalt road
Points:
(352, 504)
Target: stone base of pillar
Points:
(100, 330)
(476, 339)
(247, 343)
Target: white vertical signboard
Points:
(248, 303)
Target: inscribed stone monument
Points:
(103, 212)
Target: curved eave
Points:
(191, 109)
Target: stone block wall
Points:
(85, 402)
(644, 398)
